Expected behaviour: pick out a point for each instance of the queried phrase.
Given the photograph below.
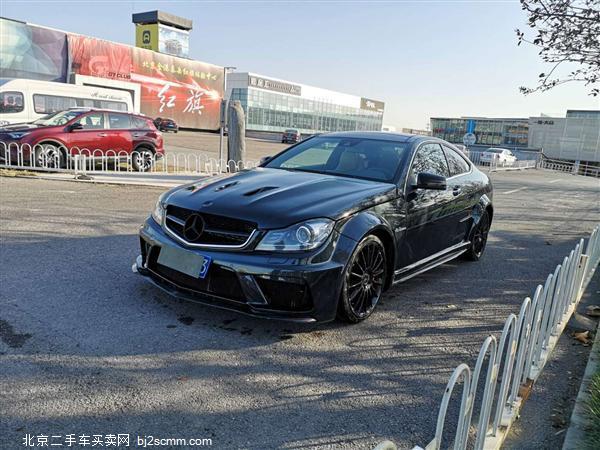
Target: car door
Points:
(426, 210)
(119, 132)
(90, 138)
(463, 188)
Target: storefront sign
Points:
(272, 85)
(371, 105)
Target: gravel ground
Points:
(88, 347)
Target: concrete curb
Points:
(112, 180)
(575, 437)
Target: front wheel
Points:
(364, 279)
(142, 160)
(48, 156)
(479, 239)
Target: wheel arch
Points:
(146, 145)
(366, 223)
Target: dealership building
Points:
(274, 105)
(575, 137)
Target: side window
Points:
(139, 123)
(47, 104)
(92, 121)
(11, 102)
(118, 121)
(430, 159)
(456, 163)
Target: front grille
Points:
(216, 230)
(285, 296)
(218, 281)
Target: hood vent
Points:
(225, 186)
(259, 190)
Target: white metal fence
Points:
(494, 163)
(524, 347)
(82, 160)
(570, 167)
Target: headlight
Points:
(19, 134)
(158, 213)
(302, 236)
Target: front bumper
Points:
(301, 288)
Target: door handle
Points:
(102, 134)
(456, 190)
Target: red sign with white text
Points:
(187, 91)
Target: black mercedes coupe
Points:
(321, 229)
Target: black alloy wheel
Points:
(364, 280)
(479, 239)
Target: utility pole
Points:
(223, 115)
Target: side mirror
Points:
(264, 159)
(75, 126)
(431, 181)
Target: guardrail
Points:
(83, 161)
(570, 167)
(524, 347)
(493, 162)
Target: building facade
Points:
(575, 137)
(500, 132)
(274, 105)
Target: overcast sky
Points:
(423, 58)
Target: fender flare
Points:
(484, 204)
(364, 223)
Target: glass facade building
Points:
(274, 105)
(488, 131)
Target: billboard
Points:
(32, 52)
(146, 36)
(173, 41)
(187, 91)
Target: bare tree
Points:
(568, 36)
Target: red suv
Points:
(53, 140)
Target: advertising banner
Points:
(32, 52)
(187, 91)
(173, 41)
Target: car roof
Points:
(83, 109)
(382, 135)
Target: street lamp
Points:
(223, 111)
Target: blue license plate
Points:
(184, 261)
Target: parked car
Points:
(52, 140)
(502, 156)
(319, 230)
(290, 136)
(164, 124)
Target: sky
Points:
(422, 58)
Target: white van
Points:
(24, 100)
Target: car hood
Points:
(275, 198)
(20, 127)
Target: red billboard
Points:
(187, 91)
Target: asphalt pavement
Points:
(88, 347)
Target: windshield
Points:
(59, 118)
(368, 159)
(494, 150)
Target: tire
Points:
(142, 159)
(364, 280)
(479, 239)
(48, 155)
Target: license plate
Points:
(189, 263)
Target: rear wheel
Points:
(142, 159)
(364, 279)
(479, 239)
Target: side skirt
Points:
(430, 262)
